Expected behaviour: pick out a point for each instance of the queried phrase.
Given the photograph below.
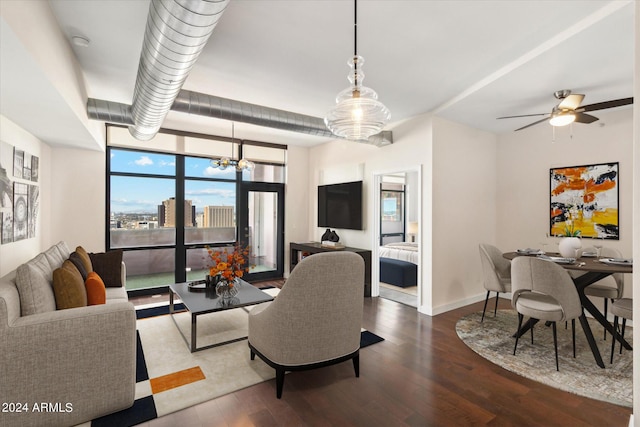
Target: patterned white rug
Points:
(171, 378)
(493, 340)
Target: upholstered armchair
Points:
(315, 320)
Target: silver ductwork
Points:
(176, 33)
(228, 109)
(236, 111)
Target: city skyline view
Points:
(126, 194)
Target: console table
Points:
(298, 251)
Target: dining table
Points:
(593, 269)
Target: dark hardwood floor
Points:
(421, 375)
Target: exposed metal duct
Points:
(108, 111)
(228, 109)
(176, 33)
(237, 111)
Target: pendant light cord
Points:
(355, 40)
(355, 27)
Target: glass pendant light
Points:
(224, 162)
(358, 114)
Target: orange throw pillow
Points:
(96, 291)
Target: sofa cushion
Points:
(108, 265)
(68, 287)
(96, 291)
(54, 257)
(76, 259)
(86, 260)
(33, 280)
(117, 295)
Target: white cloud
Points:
(211, 171)
(143, 161)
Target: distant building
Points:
(167, 213)
(219, 216)
(147, 225)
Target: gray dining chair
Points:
(609, 288)
(497, 274)
(543, 290)
(620, 308)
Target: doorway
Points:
(397, 247)
(261, 228)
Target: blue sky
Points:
(145, 194)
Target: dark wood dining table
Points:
(594, 270)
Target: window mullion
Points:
(181, 253)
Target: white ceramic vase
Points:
(568, 247)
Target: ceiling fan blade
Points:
(607, 104)
(531, 124)
(585, 118)
(571, 102)
(524, 115)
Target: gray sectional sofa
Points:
(62, 367)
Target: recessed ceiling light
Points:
(80, 41)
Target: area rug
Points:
(171, 378)
(493, 340)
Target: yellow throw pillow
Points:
(96, 291)
(68, 287)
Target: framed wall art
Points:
(584, 201)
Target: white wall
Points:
(296, 216)
(464, 211)
(15, 253)
(524, 160)
(458, 200)
(78, 198)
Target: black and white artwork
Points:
(6, 227)
(20, 210)
(26, 166)
(19, 196)
(35, 166)
(18, 163)
(33, 205)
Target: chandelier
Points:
(358, 114)
(225, 162)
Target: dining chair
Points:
(543, 290)
(620, 308)
(609, 288)
(497, 273)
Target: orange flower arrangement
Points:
(229, 265)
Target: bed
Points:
(399, 264)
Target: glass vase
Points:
(227, 289)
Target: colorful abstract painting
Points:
(593, 191)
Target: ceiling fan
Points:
(569, 110)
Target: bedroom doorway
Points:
(397, 256)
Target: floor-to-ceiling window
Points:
(166, 204)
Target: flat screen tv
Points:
(340, 205)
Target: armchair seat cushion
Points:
(539, 306)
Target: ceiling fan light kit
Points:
(357, 114)
(562, 118)
(569, 110)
